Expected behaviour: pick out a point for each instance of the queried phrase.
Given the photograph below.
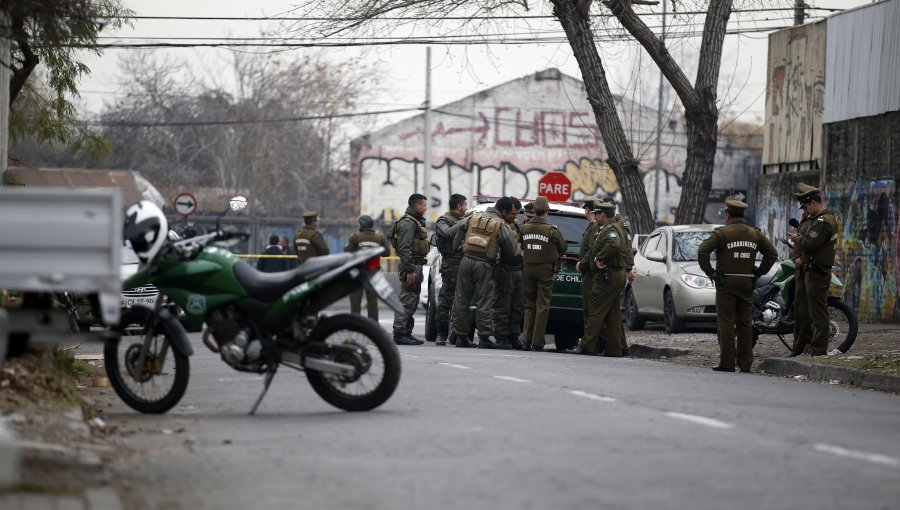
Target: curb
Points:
(646, 351)
(10, 456)
(816, 372)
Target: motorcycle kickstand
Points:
(266, 382)
(781, 337)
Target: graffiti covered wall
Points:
(501, 141)
(795, 95)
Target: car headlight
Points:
(698, 282)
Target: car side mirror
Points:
(656, 256)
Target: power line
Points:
(115, 123)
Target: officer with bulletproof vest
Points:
(485, 238)
(543, 244)
(366, 237)
(309, 242)
(607, 283)
(445, 230)
(410, 239)
(583, 266)
(509, 303)
(735, 244)
(529, 212)
(815, 243)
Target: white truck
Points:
(52, 241)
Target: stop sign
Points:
(555, 186)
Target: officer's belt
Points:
(479, 259)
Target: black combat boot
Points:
(442, 334)
(484, 342)
(502, 343)
(451, 338)
(463, 341)
(515, 343)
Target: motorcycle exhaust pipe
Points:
(208, 342)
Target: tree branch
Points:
(20, 75)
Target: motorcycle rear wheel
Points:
(376, 383)
(843, 326)
(151, 395)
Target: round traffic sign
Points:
(556, 186)
(185, 204)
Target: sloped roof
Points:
(80, 178)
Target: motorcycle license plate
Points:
(381, 285)
(140, 301)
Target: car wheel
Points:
(633, 319)
(431, 319)
(671, 322)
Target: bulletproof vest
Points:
(368, 239)
(738, 255)
(303, 244)
(482, 237)
(445, 244)
(537, 244)
(420, 244)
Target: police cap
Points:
(589, 202)
(541, 204)
(805, 192)
(529, 209)
(310, 215)
(606, 207)
(732, 204)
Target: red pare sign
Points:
(555, 186)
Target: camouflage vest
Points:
(420, 246)
(482, 237)
(536, 243)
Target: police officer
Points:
(736, 245)
(543, 244)
(366, 238)
(308, 242)
(814, 248)
(607, 283)
(529, 212)
(628, 257)
(485, 238)
(584, 264)
(445, 232)
(411, 242)
(509, 303)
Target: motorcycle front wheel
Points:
(166, 371)
(843, 326)
(377, 363)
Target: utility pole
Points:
(5, 63)
(659, 114)
(799, 12)
(427, 131)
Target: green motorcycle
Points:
(773, 310)
(256, 321)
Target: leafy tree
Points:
(52, 33)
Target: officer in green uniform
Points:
(485, 239)
(543, 244)
(445, 231)
(583, 265)
(607, 283)
(736, 245)
(308, 242)
(509, 302)
(529, 212)
(410, 239)
(628, 257)
(814, 250)
(366, 238)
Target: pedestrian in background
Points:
(543, 244)
(285, 244)
(445, 230)
(309, 242)
(410, 240)
(272, 265)
(485, 238)
(509, 301)
(366, 237)
(815, 244)
(736, 244)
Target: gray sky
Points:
(457, 71)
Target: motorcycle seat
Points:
(269, 287)
(764, 280)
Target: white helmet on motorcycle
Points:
(146, 228)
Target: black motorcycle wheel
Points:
(380, 367)
(164, 381)
(843, 326)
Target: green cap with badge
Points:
(606, 207)
(733, 205)
(541, 204)
(805, 192)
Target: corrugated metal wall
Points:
(862, 59)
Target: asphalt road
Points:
(519, 430)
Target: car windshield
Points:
(128, 255)
(684, 249)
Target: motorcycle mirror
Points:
(794, 223)
(238, 203)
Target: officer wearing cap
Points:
(607, 283)
(308, 241)
(366, 237)
(627, 252)
(583, 265)
(529, 212)
(736, 245)
(814, 251)
(543, 244)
